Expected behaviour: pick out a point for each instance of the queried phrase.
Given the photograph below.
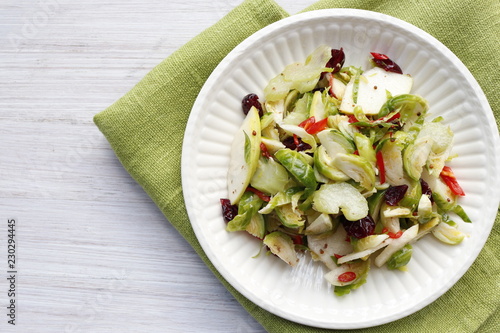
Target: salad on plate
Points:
(344, 163)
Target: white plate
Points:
(300, 294)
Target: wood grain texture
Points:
(94, 253)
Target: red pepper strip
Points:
(383, 61)
(381, 167)
(264, 150)
(392, 234)
(449, 178)
(352, 119)
(307, 123)
(347, 277)
(356, 152)
(338, 256)
(296, 139)
(395, 235)
(379, 56)
(317, 126)
(261, 195)
(396, 116)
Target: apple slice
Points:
(244, 158)
(338, 88)
(372, 90)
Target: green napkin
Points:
(145, 128)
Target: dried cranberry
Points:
(303, 146)
(298, 240)
(383, 61)
(229, 211)
(291, 144)
(337, 60)
(394, 194)
(360, 228)
(426, 189)
(320, 89)
(249, 101)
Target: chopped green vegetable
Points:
(249, 204)
(400, 258)
(356, 167)
(290, 218)
(365, 148)
(281, 198)
(415, 156)
(270, 176)
(343, 164)
(321, 224)
(257, 226)
(324, 164)
(281, 245)
(448, 234)
(298, 166)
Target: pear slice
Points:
(372, 90)
(244, 158)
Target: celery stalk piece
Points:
(333, 198)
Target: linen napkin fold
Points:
(145, 129)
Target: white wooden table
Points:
(94, 254)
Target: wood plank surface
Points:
(94, 254)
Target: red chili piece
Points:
(395, 235)
(383, 61)
(381, 167)
(347, 277)
(396, 116)
(392, 234)
(317, 126)
(379, 56)
(307, 123)
(261, 195)
(449, 178)
(312, 126)
(352, 119)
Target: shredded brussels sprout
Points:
(343, 163)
